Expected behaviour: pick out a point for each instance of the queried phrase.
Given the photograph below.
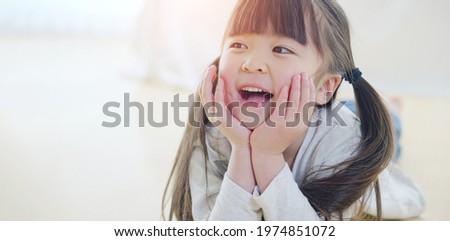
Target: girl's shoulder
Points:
(335, 123)
(338, 115)
(333, 140)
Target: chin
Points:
(251, 117)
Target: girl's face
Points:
(255, 67)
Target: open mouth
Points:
(255, 95)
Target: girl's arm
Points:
(219, 198)
(234, 201)
(285, 126)
(240, 167)
(281, 199)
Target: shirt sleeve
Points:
(283, 201)
(215, 197)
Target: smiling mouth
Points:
(255, 95)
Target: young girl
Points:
(272, 144)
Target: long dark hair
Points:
(323, 24)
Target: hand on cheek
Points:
(289, 120)
(217, 112)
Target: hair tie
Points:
(355, 75)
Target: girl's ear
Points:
(325, 91)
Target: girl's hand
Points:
(218, 113)
(240, 166)
(290, 119)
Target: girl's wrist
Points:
(265, 157)
(258, 151)
(242, 152)
(240, 146)
(240, 169)
(266, 167)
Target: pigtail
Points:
(177, 190)
(376, 130)
(351, 179)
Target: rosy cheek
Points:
(229, 80)
(282, 81)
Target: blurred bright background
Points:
(62, 61)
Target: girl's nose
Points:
(254, 66)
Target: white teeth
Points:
(252, 89)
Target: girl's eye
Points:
(238, 46)
(282, 50)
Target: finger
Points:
(219, 99)
(312, 96)
(219, 111)
(206, 94)
(281, 104)
(308, 97)
(305, 96)
(223, 116)
(294, 98)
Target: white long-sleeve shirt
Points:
(216, 197)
